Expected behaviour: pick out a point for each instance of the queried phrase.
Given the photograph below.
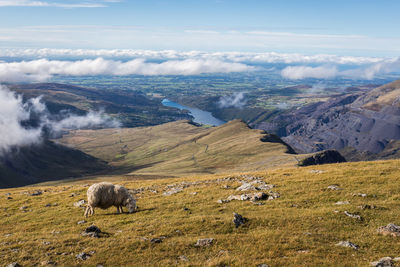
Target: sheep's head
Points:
(131, 205)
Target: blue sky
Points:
(352, 27)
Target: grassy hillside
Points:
(300, 228)
(182, 148)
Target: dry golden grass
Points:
(178, 148)
(300, 228)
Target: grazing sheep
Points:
(104, 195)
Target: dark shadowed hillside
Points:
(47, 161)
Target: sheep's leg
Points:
(122, 211)
(91, 210)
(118, 209)
(86, 211)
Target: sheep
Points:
(104, 195)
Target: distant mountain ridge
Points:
(369, 123)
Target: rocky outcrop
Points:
(324, 157)
(367, 123)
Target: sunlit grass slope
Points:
(178, 148)
(300, 228)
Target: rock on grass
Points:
(347, 244)
(204, 242)
(383, 262)
(390, 229)
(238, 219)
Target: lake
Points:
(199, 116)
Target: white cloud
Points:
(42, 69)
(367, 72)
(266, 57)
(90, 120)
(13, 112)
(302, 72)
(236, 100)
(370, 72)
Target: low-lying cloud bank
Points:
(266, 57)
(43, 69)
(45, 63)
(14, 112)
(368, 72)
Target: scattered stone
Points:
(334, 187)
(259, 196)
(99, 265)
(262, 265)
(23, 208)
(360, 195)
(9, 198)
(383, 262)
(46, 243)
(342, 203)
(220, 201)
(238, 219)
(7, 235)
(354, 216)
(72, 195)
(367, 207)
(185, 209)
(194, 193)
(156, 240)
(80, 203)
(259, 203)
(83, 256)
(255, 186)
(92, 231)
(303, 251)
(172, 191)
(246, 187)
(316, 171)
(183, 258)
(81, 222)
(204, 242)
(390, 229)
(14, 264)
(348, 244)
(54, 232)
(36, 193)
(226, 187)
(49, 263)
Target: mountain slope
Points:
(180, 148)
(300, 228)
(367, 123)
(45, 162)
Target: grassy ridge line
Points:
(300, 228)
(180, 148)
